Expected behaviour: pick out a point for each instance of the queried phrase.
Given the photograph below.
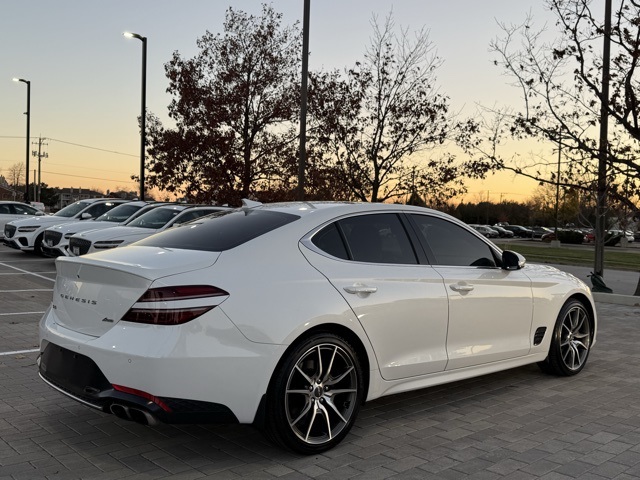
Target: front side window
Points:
(24, 209)
(453, 245)
(377, 238)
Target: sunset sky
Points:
(85, 76)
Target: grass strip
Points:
(583, 256)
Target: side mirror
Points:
(40, 213)
(512, 260)
(85, 216)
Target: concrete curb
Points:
(629, 300)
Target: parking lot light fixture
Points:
(143, 112)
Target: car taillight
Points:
(183, 292)
(168, 304)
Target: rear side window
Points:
(375, 238)
(329, 240)
(220, 232)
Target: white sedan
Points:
(290, 316)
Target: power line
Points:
(92, 168)
(89, 178)
(79, 145)
(91, 148)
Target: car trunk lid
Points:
(93, 292)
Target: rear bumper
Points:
(206, 371)
(79, 378)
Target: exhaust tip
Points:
(142, 417)
(133, 414)
(119, 411)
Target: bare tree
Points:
(392, 111)
(560, 83)
(16, 175)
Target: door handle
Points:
(359, 289)
(461, 287)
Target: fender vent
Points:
(539, 335)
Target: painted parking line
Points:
(18, 352)
(28, 290)
(26, 271)
(29, 260)
(19, 313)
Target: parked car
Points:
(10, 211)
(56, 238)
(27, 234)
(485, 230)
(538, 232)
(502, 232)
(626, 234)
(519, 231)
(291, 315)
(612, 237)
(565, 235)
(154, 221)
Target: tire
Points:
(37, 245)
(571, 341)
(315, 395)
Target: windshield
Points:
(119, 214)
(72, 210)
(156, 218)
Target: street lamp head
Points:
(21, 80)
(134, 35)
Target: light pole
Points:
(143, 111)
(28, 113)
(303, 100)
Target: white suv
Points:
(157, 220)
(26, 235)
(55, 241)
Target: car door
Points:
(6, 215)
(490, 309)
(401, 303)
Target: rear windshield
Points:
(220, 232)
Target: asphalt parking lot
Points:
(518, 424)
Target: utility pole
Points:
(40, 155)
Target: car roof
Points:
(317, 212)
